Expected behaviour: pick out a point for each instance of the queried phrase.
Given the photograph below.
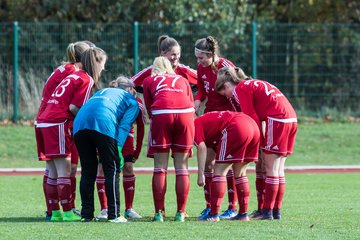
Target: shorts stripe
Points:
(223, 145)
(61, 139)
(269, 140)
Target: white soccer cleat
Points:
(76, 211)
(103, 215)
(120, 219)
(131, 214)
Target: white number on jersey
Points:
(162, 79)
(268, 87)
(60, 90)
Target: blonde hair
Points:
(75, 50)
(233, 75)
(123, 83)
(91, 60)
(161, 65)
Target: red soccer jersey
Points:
(74, 89)
(208, 127)
(206, 88)
(165, 93)
(181, 69)
(260, 99)
(53, 81)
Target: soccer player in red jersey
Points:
(55, 125)
(263, 101)
(131, 155)
(209, 62)
(74, 51)
(169, 48)
(169, 103)
(235, 137)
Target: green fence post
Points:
(254, 63)
(16, 87)
(136, 47)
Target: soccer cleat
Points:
(229, 213)
(87, 220)
(69, 216)
(209, 218)
(56, 216)
(255, 214)
(47, 216)
(180, 217)
(120, 219)
(103, 215)
(277, 214)
(204, 212)
(76, 211)
(266, 215)
(241, 217)
(158, 217)
(131, 214)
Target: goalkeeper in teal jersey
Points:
(101, 127)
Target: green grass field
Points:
(316, 206)
(316, 144)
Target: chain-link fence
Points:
(315, 65)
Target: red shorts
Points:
(239, 141)
(74, 152)
(40, 145)
(128, 149)
(280, 136)
(173, 131)
(58, 142)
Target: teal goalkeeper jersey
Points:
(110, 111)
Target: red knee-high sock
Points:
(271, 191)
(231, 189)
(281, 192)
(243, 192)
(207, 188)
(182, 187)
(73, 191)
(45, 178)
(159, 188)
(260, 188)
(52, 194)
(129, 190)
(64, 192)
(218, 188)
(100, 186)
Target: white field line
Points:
(194, 169)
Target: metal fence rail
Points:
(315, 65)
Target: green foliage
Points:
(319, 206)
(180, 11)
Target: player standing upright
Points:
(168, 47)
(263, 101)
(74, 51)
(55, 126)
(169, 103)
(209, 63)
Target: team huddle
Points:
(244, 120)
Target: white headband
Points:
(203, 51)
